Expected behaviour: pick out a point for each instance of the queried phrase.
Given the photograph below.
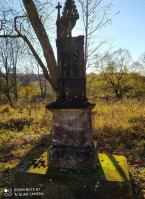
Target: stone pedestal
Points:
(72, 140)
(110, 180)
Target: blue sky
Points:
(128, 28)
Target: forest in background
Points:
(115, 79)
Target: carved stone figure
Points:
(70, 54)
(72, 139)
(67, 21)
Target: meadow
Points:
(118, 128)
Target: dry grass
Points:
(118, 126)
(21, 129)
(121, 122)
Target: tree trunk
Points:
(86, 33)
(45, 89)
(15, 84)
(9, 99)
(118, 94)
(43, 39)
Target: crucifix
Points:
(58, 7)
(72, 140)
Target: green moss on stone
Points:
(114, 167)
(109, 168)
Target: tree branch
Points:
(43, 38)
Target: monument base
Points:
(74, 158)
(72, 139)
(109, 181)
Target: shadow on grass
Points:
(43, 144)
(128, 142)
(118, 167)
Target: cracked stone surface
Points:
(72, 140)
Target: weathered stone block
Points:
(72, 140)
(109, 181)
(74, 158)
(72, 127)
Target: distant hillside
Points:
(25, 79)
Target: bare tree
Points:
(33, 18)
(30, 19)
(9, 53)
(95, 17)
(41, 81)
(142, 66)
(15, 54)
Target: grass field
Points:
(118, 127)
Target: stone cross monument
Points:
(73, 147)
(72, 140)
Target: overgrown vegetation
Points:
(119, 128)
(25, 125)
(109, 85)
(22, 128)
